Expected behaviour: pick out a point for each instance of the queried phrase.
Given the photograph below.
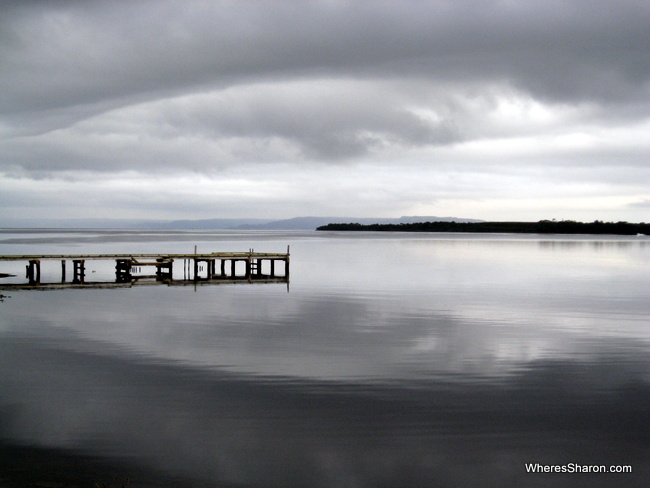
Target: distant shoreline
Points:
(542, 227)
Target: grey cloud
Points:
(306, 119)
(210, 87)
(85, 57)
(343, 120)
(71, 53)
(641, 204)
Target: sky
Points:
(196, 109)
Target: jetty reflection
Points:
(154, 269)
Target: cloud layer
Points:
(500, 109)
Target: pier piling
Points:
(78, 270)
(34, 271)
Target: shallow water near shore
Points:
(389, 360)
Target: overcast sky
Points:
(509, 110)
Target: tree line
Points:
(541, 227)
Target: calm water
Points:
(391, 360)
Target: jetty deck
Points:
(153, 268)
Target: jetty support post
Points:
(249, 268)
(123, 270)
(78, 271)
(286, 265)
(63, 271)
(164, 268)
(34, 271)
(209, 268)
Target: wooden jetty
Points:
(138, 269)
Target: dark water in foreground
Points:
(393, 360)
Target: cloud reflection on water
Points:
(431, 369)
(244, 428)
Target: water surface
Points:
(390, 360)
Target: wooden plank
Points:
(215, 255)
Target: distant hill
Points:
(311, 223)
(297, 223)
(214, 223)
(128, 224)
(91, 223)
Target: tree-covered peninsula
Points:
(541, 227)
